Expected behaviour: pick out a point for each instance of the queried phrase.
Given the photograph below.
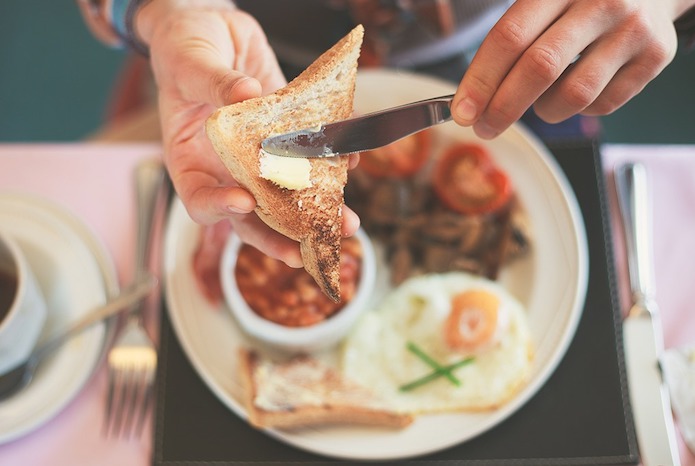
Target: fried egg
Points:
(449, 318)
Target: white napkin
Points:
(678, 366)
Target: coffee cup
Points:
(22, 305)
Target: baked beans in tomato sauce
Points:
(290, 296)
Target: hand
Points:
(565, 57)
(206, 54)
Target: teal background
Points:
(56, 79)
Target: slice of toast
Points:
(303, 392)
(323, 93)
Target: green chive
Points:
(434, 375)
(417, 351)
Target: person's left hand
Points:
(565, 57)
(206, 54)
(203, 59)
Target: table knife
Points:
(642, 333)
(362, 133)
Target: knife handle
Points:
(634, 202)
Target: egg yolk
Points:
(472, 321)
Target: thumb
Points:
(215, 84)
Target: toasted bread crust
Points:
(323, 93)
(295, 414)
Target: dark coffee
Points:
(8, 290)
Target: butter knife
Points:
(642, 333)
(366, 132)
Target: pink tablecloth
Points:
(672, 180)
(93, 181)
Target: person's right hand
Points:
(565, 57)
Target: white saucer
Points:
(75, 273)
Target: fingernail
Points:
(237, 210)
(466, 110)
(485, 131)
(295, 262)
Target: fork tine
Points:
(114, 401)
(131, 379)
(120, 386)
(110, 402)
(129, 393)
(147, 394)
(138, 385)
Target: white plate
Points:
(75, 274)
(551, 281)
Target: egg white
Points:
(375, 353)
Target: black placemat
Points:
(581, 416)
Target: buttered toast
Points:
(303, 392)
(309, 212)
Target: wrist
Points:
(124, 22)
(154, 12)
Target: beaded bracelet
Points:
(112, 22)
(122, 16)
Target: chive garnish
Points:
(439, 370)
(417, 351)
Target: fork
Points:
(132, 360)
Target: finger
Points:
(207, 202)
(581, 84)
(539, 67)
(351, 221)
(518, 28)
(627, 82)
(607, 76)
(353, 160)
(254, 231)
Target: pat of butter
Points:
(286, 172)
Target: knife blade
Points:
(642, 333)
(362, 133)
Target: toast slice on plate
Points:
(302, 392)
(300, 198)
